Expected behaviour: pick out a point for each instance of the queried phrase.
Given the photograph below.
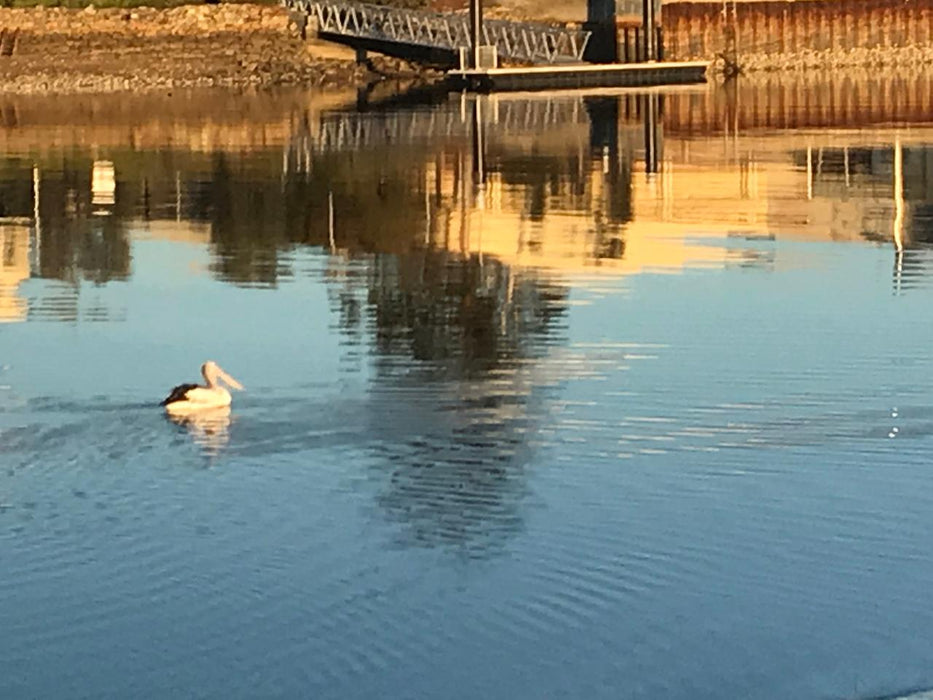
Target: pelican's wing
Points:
(179, 393)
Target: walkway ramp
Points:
(435, 37)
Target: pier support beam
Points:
(648, 26)
(604, 42)
(476, 29)
(603, 18)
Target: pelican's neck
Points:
(209, 378)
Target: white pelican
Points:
(185, 398)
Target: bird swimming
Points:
(195, 397)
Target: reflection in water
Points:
(208, 428)
(551, 182)
(463, 348)
(14, 269)
(458, 227)
(80, 239)
(456, 339)
(452, 459)
(913, 268)
(462, 317)
(463, 223)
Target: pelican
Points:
(185, 398)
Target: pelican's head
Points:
(212, 372)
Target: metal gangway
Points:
(435, 36)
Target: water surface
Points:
(590, 396)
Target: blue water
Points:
(456, 473)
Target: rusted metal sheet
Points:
(698, 29)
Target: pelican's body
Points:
(186, 398)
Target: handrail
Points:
(529, 42)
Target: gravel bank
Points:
(54, 50)
(909, 59)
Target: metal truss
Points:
(526, 42)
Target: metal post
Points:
(648, 30)
(476, 28)
(479, 149)
(603, 46)
(652, 150)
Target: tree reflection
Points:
(246, 229)
(462, 315)
(256, 213)
(79, 240)
(456, 393)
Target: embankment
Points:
(56, 50)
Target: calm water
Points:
(522, 420)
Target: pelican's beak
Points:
(230, 381)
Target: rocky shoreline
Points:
(56, 50)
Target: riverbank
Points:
(57, 50)
(107, 50)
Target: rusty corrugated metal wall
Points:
(697, 30)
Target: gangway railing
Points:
(527, 42)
